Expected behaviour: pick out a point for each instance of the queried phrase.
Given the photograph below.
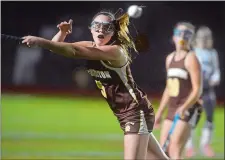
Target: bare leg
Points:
(154, 149)
(165, 130)
(135, 146)
(179, 139)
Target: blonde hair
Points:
(204, 32)
(122, 35)
(186, 24)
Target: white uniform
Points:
(209, 62)
(208, 59)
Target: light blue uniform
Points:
(209, 62)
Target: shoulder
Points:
(191, 60)
(214, 50)
(191, 56)
(170, 56)
(169, 59)
(116, 50)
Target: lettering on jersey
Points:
(99, 74)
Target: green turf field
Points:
(40, 127)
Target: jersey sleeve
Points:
(215, 77)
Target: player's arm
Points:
(215, 78)
(164, 101)
(81, 43)
(65, 28)
(165, 97)
(78, 49)
(59, 37)
(194, 69)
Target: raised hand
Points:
(66, 27)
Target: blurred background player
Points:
(208, 58)
(183, 89)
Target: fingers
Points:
(66, 26)
(70, 21)
(69, 31)
(178, 112)
(26, 41)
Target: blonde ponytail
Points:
(123, 34)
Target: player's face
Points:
(102, 29)
(182, 36)
(204, 40)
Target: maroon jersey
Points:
(118, 87)
(179, 88)
(178, 82)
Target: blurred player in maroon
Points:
(109, 64)
(183, 89)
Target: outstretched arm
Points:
(77, 50)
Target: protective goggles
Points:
(107, 27)
(185, 34)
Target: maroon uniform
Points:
(127, 101)
(179, 87)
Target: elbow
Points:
(217, 80)
(74, 51)
(70, 51)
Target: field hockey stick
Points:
(11, 38)
(166, 144)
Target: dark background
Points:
(157, 22)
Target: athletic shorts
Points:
(139, 122)
(193, 116)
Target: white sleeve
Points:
(215, 77)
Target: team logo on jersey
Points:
(127, 126)
(99, 74)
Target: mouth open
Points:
(101, 36)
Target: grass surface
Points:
(40, 127)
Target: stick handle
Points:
(11, 38)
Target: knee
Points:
(175, 150)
